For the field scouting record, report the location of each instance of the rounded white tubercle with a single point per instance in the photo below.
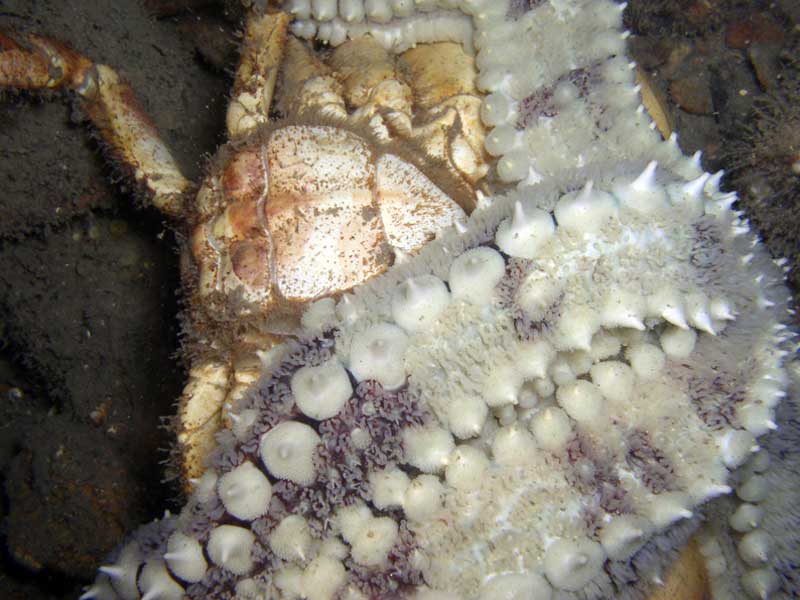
(466, 416)
(756, 417)
(761, 583)
(525, 232)
(245, 492)
(507, 586)
(418, 302)
(287, 451)
(323, 578)
(753, 489)
(303, 29)
(513, 166)
(388, 488)
(379, 11)
(427, 448)
(242, 422)
(678, 343)
(379, 353)
(373, 541)
(423, 498)
(475, 273)
(465, 467)
(502, 386)
(581, 400)
(351, 11)
(755, 547)
(736, 446)
(124, 571)
(291, 539)
(497, 109)
(513, 445)
(551, 428)
(320, 392)
(299, 9)
(323, 10)
(721, 309)
(501, 140)
(696, 187)
(571, 564)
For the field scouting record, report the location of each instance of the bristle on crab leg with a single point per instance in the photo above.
(36, 63)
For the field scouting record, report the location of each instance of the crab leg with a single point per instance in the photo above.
(261, 57)
(35, 63)
(442, 76)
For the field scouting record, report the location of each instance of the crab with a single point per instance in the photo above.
(373, 154)
(291, 211)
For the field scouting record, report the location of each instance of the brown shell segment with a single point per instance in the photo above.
(321, 214)
(310, 211)
(412, 208)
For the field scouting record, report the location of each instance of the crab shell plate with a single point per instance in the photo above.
(300, 212)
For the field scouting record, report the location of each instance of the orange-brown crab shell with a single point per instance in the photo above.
(301, 211)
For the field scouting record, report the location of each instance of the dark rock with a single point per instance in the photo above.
(692, 92)
(757, 28)
(71, 498)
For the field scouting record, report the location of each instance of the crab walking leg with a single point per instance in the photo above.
(448, 106)
(374, 87)
(307, 86)
(261, 57)
(37, 63)
(209, 399)
(199, 413)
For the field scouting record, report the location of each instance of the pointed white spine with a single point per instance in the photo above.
(623, 536)
(185, 558)
(667, 508)
(524, 234)
(230, 547)
(418, 302)
(155, 583)
(643, 195)
(586, 210)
